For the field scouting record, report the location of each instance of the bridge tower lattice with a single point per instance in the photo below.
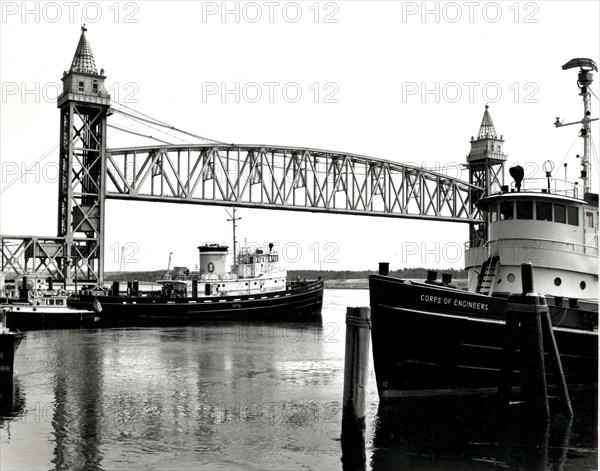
(485, 162)
(84, 107)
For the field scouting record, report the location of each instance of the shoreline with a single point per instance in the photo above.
(360, 283)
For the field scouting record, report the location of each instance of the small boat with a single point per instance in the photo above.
(33, 303)
(431, 339)
(9, 342)
(256, 288)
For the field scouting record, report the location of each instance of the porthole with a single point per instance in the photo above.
(557, 281)
(582, 285)
(511, 277)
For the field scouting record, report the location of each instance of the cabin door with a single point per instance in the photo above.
(589, 230)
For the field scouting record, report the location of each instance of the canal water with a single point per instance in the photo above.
(245, 396)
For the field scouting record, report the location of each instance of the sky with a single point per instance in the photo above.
(401, 81)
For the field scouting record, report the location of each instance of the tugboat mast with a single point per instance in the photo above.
(584, 80)
(233, 220)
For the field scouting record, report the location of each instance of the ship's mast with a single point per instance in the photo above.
(584, 80)
(233, 220)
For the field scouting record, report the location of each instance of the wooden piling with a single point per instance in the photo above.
(358, 342)
(528, 326)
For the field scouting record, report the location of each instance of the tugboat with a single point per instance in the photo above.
(431, 339)
(34, 303)
(256, 288)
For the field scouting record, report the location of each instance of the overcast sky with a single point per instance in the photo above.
(403, 81)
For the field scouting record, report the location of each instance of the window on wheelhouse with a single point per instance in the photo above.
(543, 211)
(524, 209)
(560, 213)
(494, 213)
(506, 210)
(573, 215)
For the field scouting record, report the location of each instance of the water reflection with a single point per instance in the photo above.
(458, 435)
(155, 397)
(76, 412)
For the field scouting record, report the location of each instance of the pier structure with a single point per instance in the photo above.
(234, 175)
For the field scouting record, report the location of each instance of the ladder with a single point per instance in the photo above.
(485, 281)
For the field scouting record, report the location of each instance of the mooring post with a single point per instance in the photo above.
(524, 327)
(358, 342)
(384, 268)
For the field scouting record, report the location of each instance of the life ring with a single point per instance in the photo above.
(211, 267)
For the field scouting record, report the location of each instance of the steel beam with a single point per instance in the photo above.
(288, 178)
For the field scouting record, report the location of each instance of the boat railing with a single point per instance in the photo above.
(552, 186)
(532, 246)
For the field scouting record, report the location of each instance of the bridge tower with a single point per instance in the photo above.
(485, 162)
(84, 107)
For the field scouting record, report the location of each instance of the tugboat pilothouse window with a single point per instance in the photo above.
(524, 209)
(494, 213)
(573, 216)
(560, 213)
(506, 210)
(543, 211)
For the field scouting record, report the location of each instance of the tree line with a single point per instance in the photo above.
(413, 273)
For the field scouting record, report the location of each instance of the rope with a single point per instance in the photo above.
(20, 175)
(114, 126)
(143, 122)
(160, 123)
(355, 321)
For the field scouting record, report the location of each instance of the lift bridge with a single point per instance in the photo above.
(215, 173)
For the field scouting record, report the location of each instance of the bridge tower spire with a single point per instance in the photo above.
(84, 107)
(485, 162)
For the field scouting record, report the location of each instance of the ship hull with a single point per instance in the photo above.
(431, 340)
(9, 342)
(24, 316)
(296, 304)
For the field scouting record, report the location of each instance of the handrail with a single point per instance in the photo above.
(549, 186)
(467, 244)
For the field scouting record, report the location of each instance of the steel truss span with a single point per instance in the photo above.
(287, 178)
(50, 256)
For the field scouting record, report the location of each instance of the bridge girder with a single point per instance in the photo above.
(289, 178)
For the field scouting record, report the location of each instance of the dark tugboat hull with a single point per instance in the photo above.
(39, 319)
(296, 304)
(9, 342)
(430, 340)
